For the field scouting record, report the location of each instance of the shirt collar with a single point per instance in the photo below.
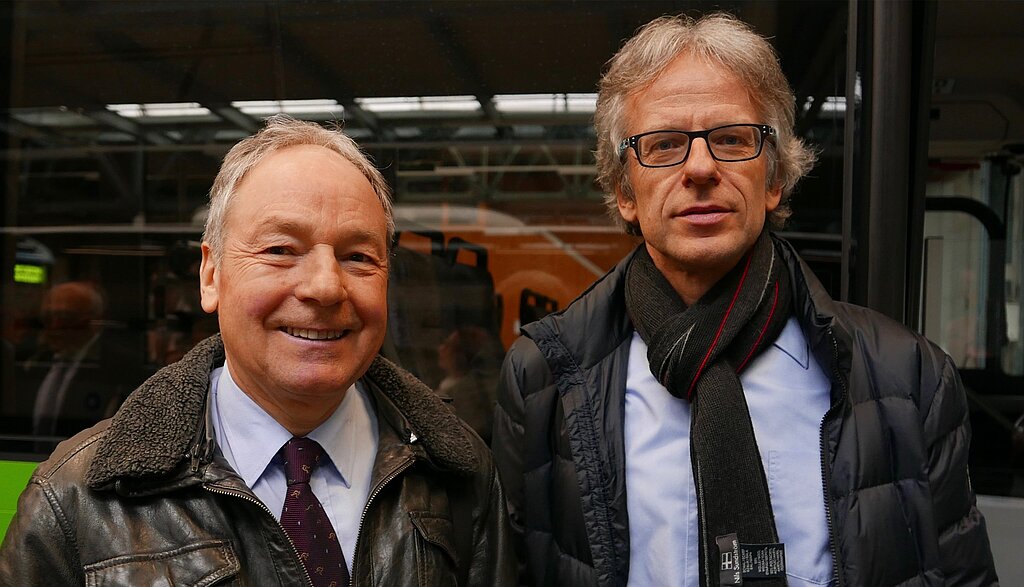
(342, 434)
(252, 437)
(792, 342)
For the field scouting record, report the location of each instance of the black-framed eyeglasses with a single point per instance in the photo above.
(730, 143)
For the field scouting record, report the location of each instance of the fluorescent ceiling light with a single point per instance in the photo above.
(831, 104)
(407, 132)
(420, 104)
(474, 132)
(836, 104)
(553, 103)
(163, 109)
(231, 135)
(529, 130)
(50, 117)
(270, 107)
(126, 110)
(581, 102)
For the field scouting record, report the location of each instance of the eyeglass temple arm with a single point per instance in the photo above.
(623, 145)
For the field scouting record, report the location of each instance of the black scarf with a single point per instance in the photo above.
(697, 353)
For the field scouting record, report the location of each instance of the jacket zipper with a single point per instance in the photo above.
(824, 460)
(369, 500)
(263, 506)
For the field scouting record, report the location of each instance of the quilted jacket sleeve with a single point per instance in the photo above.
(508, 442)
(524, 372)
(963, 540)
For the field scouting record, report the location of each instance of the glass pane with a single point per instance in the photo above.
(971, 307)
(116, 115)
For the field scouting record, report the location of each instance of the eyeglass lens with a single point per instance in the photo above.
(729, 143)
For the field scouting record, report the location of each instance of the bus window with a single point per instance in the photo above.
(971, 290)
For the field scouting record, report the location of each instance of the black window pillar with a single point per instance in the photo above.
(891, 47)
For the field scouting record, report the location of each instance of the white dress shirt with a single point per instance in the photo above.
(249, 438)
(788, 395)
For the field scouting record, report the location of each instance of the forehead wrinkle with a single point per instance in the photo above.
(280, 223)
(291, 225)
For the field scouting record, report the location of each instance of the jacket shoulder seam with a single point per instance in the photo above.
(58, 512)
(70, 454)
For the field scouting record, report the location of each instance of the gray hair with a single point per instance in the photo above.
(719, 38)
(279, 132)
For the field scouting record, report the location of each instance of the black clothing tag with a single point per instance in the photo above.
(763, 561)
(748, 561)
(729, 572)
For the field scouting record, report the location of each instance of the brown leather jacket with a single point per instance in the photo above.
(144, 498)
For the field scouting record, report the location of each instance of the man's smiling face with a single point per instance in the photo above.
(301, 286)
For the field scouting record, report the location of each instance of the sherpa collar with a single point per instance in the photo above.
(153, 432)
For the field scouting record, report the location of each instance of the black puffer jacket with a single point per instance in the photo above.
(142, 499)
(894, 445)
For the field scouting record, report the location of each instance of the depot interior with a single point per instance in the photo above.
(115, 115)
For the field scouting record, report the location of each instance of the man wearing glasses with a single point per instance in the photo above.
(705, 414)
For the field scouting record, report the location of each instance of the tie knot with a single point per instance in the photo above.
(301, 456)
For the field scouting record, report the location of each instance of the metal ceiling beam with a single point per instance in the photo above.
(468, 70)
(234, 116)
(326, 72)
(22, 130)
(457, 156)
(119, 43)
(125, 125)
(320, 69)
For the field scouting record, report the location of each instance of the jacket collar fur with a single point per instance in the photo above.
(161, 426)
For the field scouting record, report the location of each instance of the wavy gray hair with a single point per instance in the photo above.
(279, 132)
(719, 38)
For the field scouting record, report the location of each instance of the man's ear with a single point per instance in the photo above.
(208, 280)
(772, 197)
(627, 205)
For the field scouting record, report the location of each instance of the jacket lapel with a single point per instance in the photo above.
(152, 432)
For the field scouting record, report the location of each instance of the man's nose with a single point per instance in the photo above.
(321, 278)
(700, 167)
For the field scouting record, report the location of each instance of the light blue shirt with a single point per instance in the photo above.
(249, 438)
(788, 395)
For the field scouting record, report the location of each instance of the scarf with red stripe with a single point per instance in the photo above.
(697, 353)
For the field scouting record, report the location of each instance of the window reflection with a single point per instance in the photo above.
(118, 114)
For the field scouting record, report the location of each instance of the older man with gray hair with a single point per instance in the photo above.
(705, 414)
(284, 451)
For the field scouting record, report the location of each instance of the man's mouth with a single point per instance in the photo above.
(313, 334)
(694, 210)
(704, 215)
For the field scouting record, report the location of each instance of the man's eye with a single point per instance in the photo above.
(276, 250)
(732, 140)
(666, 145)
(359, 258)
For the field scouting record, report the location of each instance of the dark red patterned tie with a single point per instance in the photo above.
(305, 520)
